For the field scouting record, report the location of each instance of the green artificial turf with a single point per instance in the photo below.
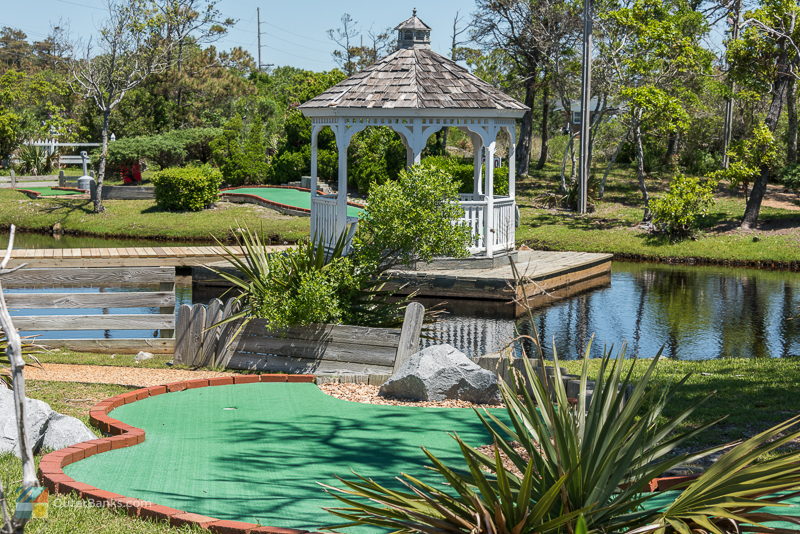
(256, 452)
(50, 192)
(289, 197)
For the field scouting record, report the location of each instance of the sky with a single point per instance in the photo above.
(293, 32)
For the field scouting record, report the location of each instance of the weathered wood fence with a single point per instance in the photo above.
(318, 349)
(50, 285)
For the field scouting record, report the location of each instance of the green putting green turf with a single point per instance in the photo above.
(49, 191)
(289, 197)
(255, 452)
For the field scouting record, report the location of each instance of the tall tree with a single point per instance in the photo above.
(346, 37)
(768, 52)
(657, 57)
(130, 47)
(533, 33)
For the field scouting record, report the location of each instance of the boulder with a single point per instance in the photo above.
(47, 428)
(64, 431)
(442, 372)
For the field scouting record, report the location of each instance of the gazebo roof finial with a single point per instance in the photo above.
(414, 12)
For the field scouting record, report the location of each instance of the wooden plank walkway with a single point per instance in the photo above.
(164, 256)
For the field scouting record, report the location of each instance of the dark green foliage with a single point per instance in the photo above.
(169, 149)
(240, 151)
(462, 172)
(677, 213)
(412, 218)
(790, 177)
(289, 166)
(376, 155)
(304, 285)
(187, 188)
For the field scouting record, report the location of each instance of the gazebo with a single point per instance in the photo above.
(417, 92)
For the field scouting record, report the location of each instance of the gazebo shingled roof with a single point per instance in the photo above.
(416, 78)
(417, 92)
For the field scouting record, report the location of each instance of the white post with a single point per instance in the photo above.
(488, 238)
(512, 161)
(314, 135)
(314, 208)
(477, 156)
(417, 142)
(342, 142)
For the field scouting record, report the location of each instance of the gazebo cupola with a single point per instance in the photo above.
(417, 92)
(413, 33)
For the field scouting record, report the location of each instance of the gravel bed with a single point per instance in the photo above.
(106, 374)
(367, 394)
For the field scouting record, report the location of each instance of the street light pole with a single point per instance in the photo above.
(586, 116)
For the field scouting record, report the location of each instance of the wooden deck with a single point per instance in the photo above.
(546, 278)
(123, 257)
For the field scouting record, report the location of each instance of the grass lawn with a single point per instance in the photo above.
(158, 361)
(142, 219)
(613, 226)
(753, 394)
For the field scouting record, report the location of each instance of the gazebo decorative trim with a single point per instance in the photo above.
(417, 92)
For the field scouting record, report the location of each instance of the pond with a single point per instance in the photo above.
(694, 313)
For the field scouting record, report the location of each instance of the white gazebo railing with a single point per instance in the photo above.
(500, 227)
(323, 218)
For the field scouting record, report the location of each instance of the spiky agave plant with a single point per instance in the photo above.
(599, 454)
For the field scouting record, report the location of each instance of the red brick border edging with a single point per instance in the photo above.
(122, 435)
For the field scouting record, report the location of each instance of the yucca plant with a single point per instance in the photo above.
(599, 454)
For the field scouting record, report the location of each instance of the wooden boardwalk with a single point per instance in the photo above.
(124, 257)
(546, 277)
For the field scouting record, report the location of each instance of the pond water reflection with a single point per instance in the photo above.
(695, 313)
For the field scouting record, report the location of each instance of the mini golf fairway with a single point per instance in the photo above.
(255, 452)
(285, 196)
(50, 191)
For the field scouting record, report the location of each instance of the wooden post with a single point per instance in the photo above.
(409, 335)
(182, 335)
(61, 180)
(477, 162)
(13, 179)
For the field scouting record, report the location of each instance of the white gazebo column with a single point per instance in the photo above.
(477, 161)
(488, 233)
(314, 136)
(512, 161)
(342, 143)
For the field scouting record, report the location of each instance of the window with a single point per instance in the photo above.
(576, 117)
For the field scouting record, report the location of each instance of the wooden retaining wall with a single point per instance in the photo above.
(318, 349)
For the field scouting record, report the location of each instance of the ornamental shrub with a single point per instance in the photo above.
(169, 149)
(240, 151)
(790, 177)
(678, 212)
(187, 188)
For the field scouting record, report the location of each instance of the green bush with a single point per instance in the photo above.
(461, 170)
(678, 212)
(169, 149)
(240, 151)
(412, 218)
(187, 188)
(790, 177)
(376, 156)
(289, 167)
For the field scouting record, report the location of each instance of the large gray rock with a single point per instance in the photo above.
(47, 429)
(442, 372)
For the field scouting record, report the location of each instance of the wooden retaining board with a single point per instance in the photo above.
(87, 277)
(317, 348)
(112, 346)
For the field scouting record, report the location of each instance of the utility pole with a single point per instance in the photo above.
(727, 132)
(258, 22)
(586, 115)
